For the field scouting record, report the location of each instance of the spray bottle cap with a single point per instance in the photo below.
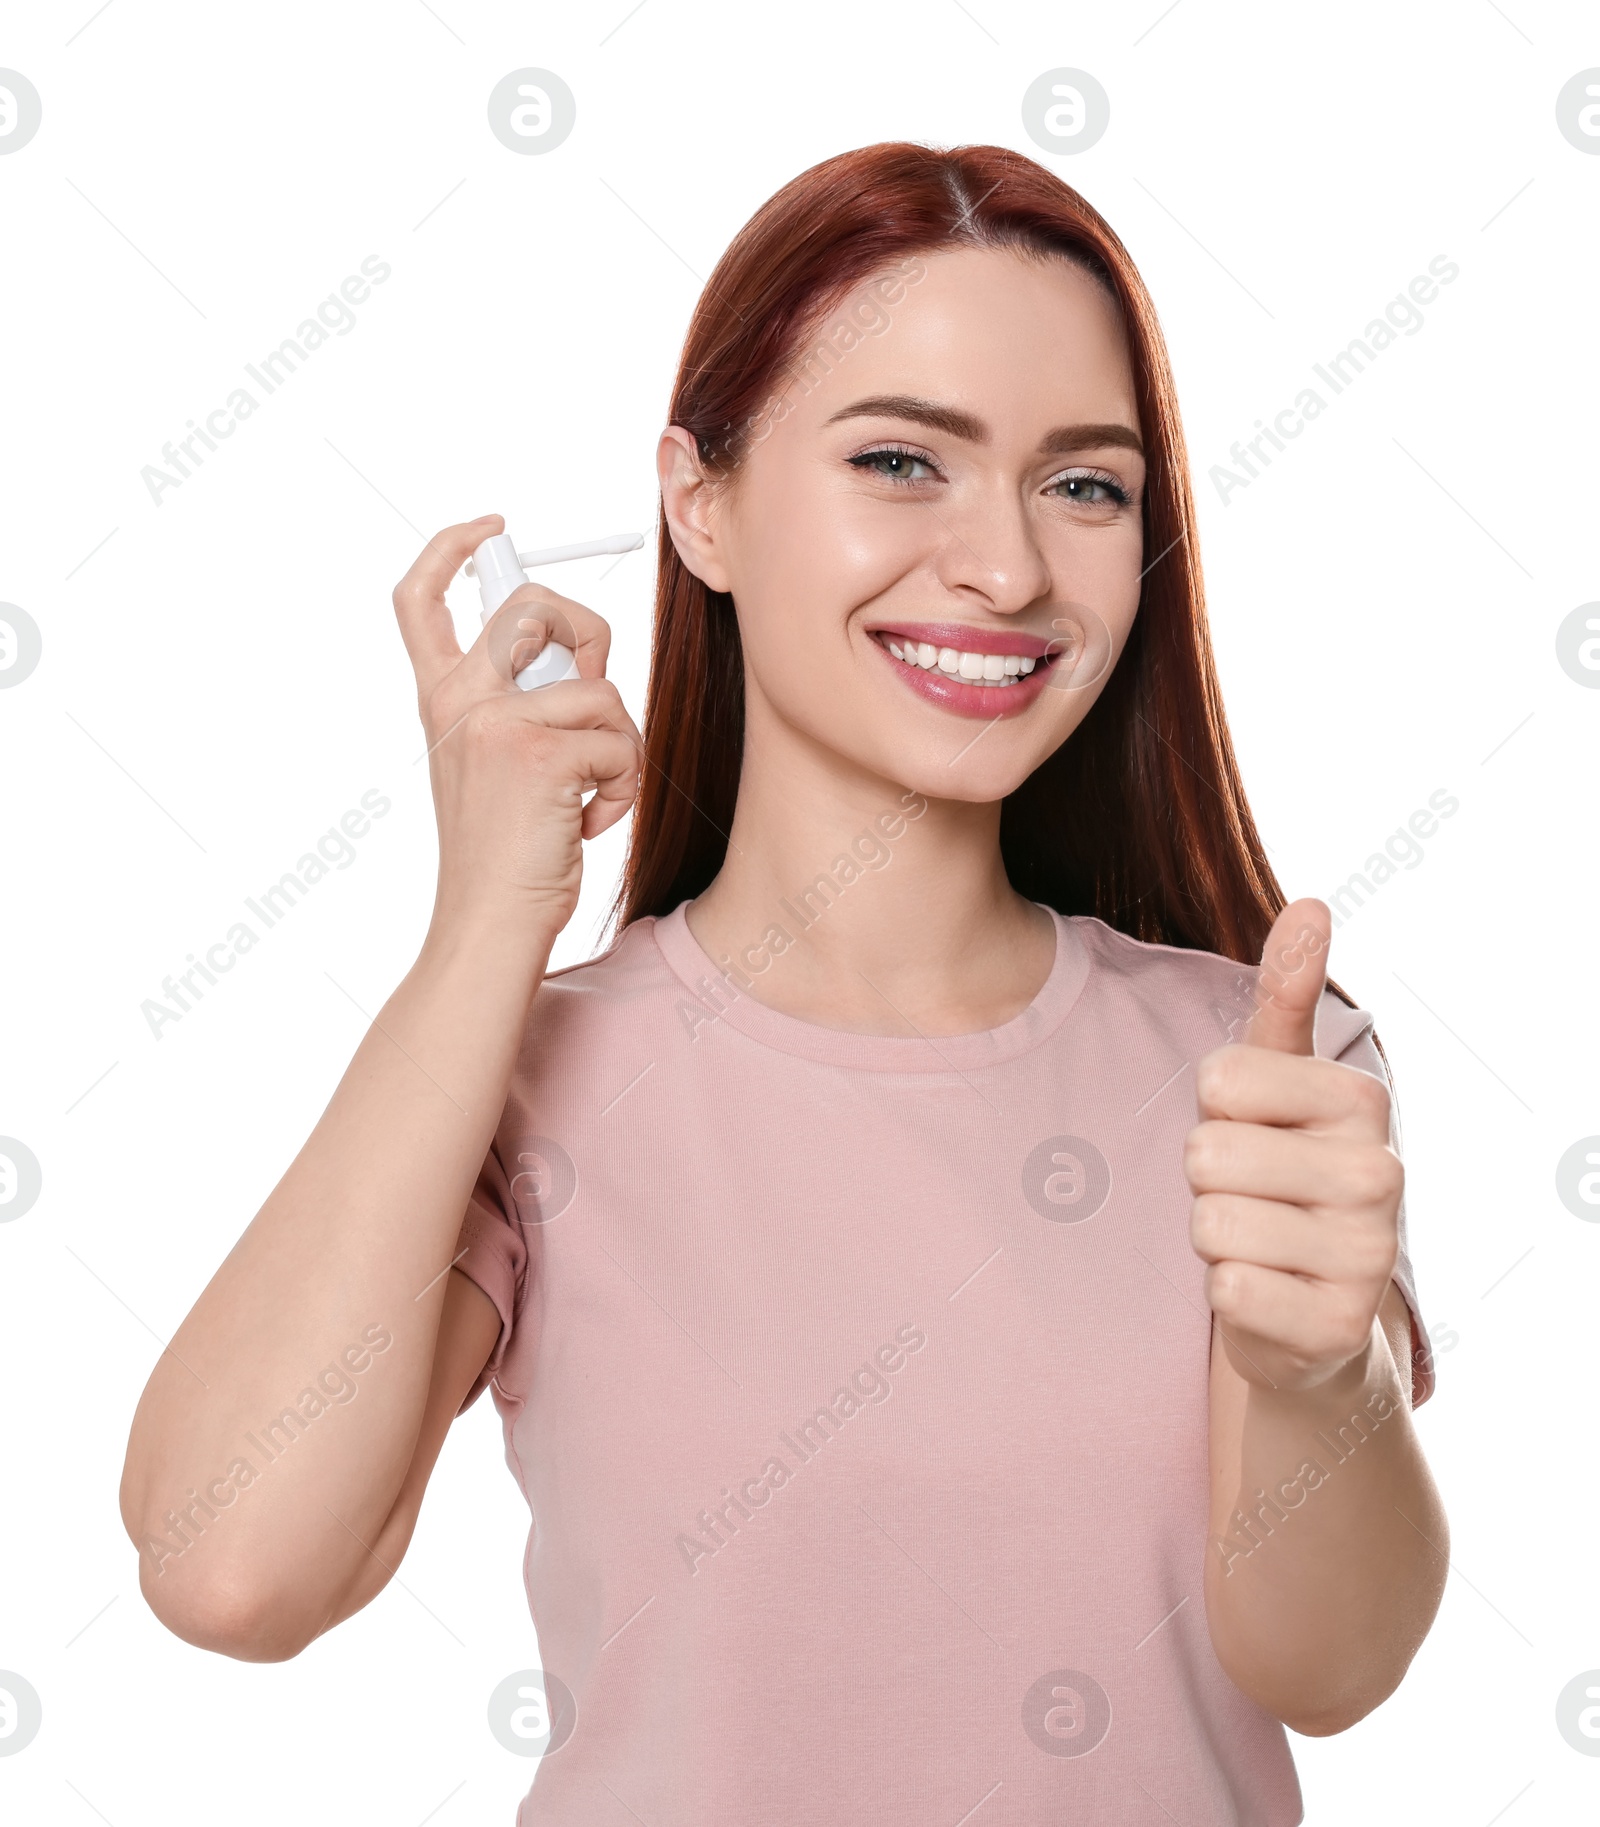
(497, 570)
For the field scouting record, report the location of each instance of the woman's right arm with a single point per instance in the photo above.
(263, 1518)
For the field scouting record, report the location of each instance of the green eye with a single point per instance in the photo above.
(1093, 488)
(892, 463)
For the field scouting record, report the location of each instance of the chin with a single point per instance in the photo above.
(970, 778)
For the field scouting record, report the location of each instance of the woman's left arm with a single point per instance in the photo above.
(1328, 1546)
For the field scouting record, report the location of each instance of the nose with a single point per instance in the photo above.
(990, 555)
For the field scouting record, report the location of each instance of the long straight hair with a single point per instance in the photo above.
(1140, 817)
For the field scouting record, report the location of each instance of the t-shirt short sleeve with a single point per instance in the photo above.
(490, 1250)
(1365, 1057)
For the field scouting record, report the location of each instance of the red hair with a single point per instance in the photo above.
(1140, 817)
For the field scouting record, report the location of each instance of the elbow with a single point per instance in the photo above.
(1332, 1709)
(214, 1600)
(224, 1616)
(1313, 1703)
(1331, 1721)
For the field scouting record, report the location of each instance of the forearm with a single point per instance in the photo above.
(1329, 1544)
(358, 1234)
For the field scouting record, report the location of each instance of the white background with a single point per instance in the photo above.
(222, 679)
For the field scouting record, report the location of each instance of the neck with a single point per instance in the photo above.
(856, 902)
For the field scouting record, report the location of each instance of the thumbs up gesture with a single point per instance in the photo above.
(1296, 1189)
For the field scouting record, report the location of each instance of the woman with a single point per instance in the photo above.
(949, 1313)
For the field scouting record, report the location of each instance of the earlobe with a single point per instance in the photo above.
(688, 500)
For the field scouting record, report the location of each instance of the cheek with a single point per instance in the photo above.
(810, 555)
(1111, 562)
(1100, 569)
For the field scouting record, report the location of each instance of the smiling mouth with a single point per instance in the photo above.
(962, 666)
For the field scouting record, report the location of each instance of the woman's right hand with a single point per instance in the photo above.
(510, 767)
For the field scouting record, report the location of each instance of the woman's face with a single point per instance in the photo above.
(948, 492)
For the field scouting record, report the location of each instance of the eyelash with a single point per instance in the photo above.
(863, 459)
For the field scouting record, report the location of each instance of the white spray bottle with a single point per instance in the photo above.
(500, 568)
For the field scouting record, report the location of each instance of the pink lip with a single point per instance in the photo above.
(955, 694)
(967, 639)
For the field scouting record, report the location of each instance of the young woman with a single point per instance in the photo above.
(949, 1312)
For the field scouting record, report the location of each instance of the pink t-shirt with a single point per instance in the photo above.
(858, 1389)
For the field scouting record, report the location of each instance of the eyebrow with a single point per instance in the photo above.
(958, 424)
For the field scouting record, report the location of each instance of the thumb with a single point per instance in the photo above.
(1294, 968)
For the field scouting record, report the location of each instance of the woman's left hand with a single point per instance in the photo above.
(1297, 1191)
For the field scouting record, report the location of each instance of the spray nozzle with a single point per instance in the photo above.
(550, 555)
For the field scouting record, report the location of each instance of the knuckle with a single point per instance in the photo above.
(1203, 1150)
(1370, 1097)
(1214, 1075)
(533, 595)
(1379, 1176)
(1225, 1286)
(1394, 1171)
(1209, 1228)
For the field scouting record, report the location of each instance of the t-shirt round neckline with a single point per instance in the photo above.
(721, 1002)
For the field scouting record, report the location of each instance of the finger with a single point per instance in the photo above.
(610, 755)
(611, 766)
(615, 791)
(593, 631)
(1232, 1227)
(1309, 1320)
(570, 704)
(517, 631)
(1322, 1173)
(419, 604)
(1256, 1085)
(615, 713)
(1294, 969)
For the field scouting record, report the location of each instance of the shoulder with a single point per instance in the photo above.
(591, 1006)
(632, 962)
(1199, 998)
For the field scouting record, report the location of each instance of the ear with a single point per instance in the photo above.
(689, 499)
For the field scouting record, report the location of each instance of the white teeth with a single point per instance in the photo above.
(971, 668)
